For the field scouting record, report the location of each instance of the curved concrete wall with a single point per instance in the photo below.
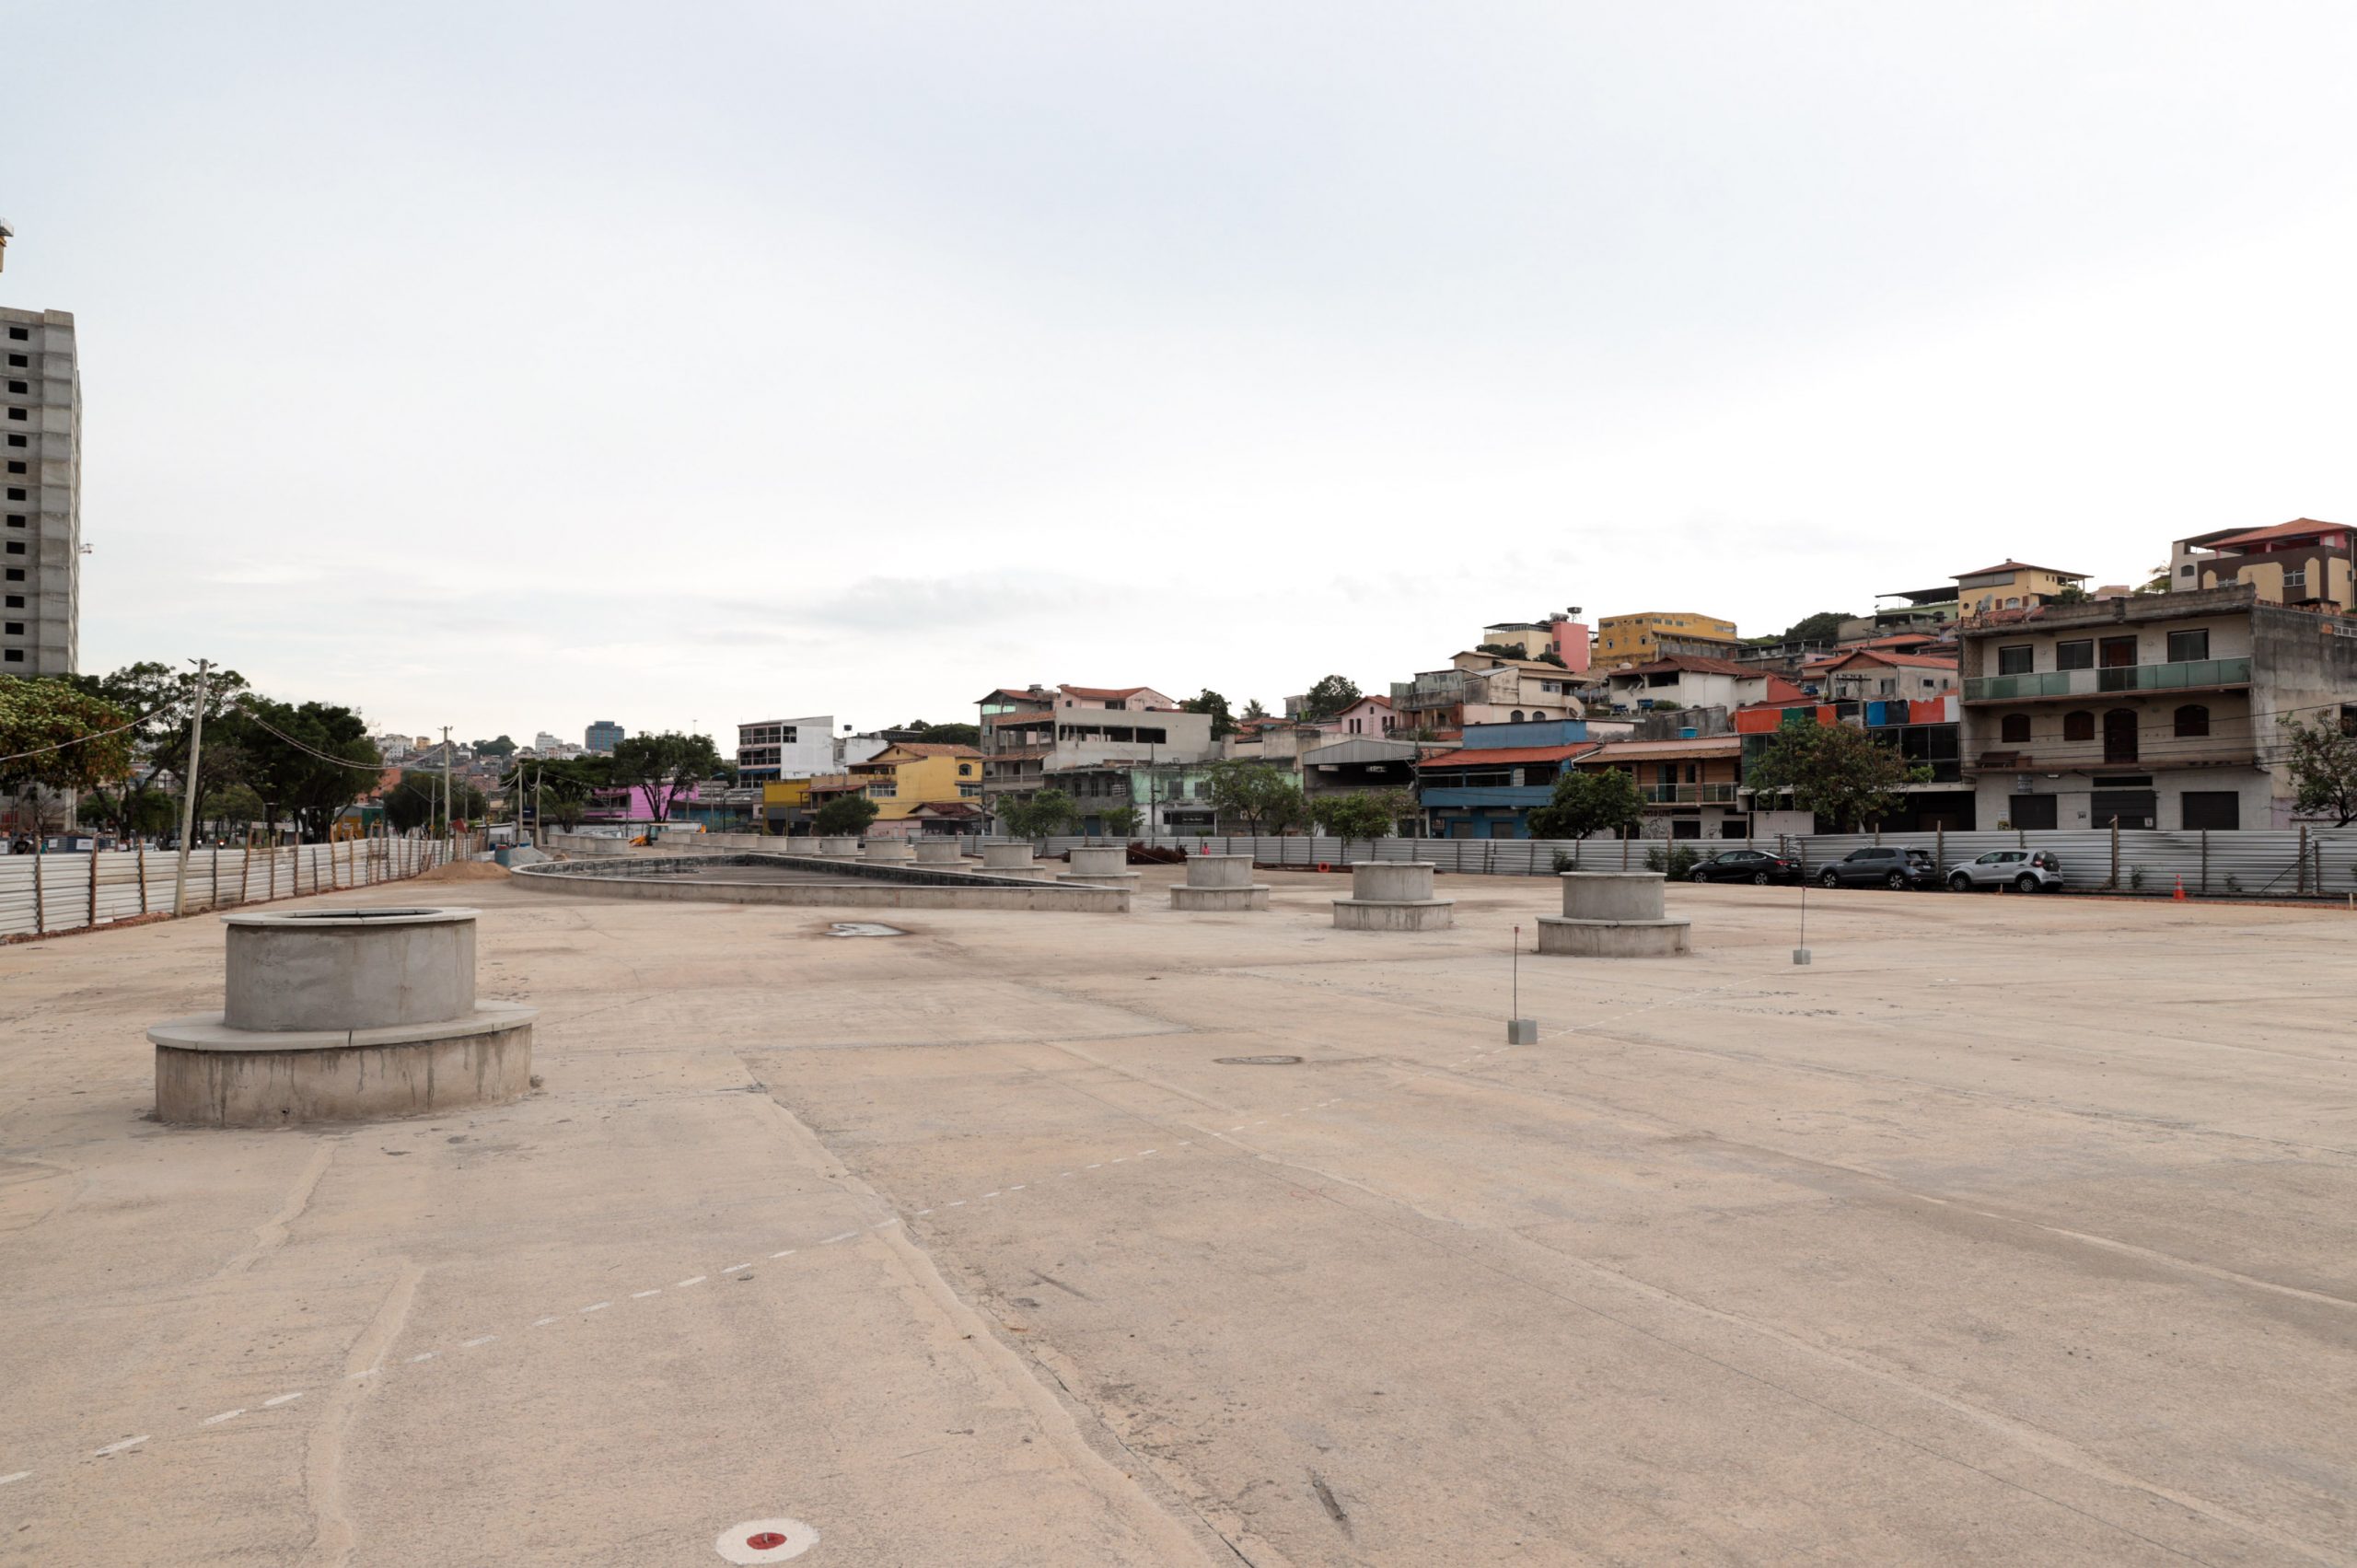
(1219, 871)
(886, 849)
(209, 1075)
(940, 852)
(1090, 860)
(1007, 858)
(349, 969)
(1392, 881)
(839, 848)
(1613, 895)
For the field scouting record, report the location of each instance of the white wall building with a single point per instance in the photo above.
(786, 748)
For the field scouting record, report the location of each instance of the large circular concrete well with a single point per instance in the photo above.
(343, 1015)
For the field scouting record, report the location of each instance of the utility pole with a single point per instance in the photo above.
(449, 828)
(188, 794)
(540, 804)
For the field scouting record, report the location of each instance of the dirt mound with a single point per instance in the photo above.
(465, 871)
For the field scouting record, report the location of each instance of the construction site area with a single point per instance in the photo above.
(2005, 1230)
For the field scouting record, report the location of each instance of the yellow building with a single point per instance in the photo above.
(2011, 585)
(903, 777)
(1638, 639)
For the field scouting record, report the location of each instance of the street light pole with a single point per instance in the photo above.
(188, 796)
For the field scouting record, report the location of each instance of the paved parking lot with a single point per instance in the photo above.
(2011, 1230)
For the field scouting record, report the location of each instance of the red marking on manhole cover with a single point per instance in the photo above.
(765, 1540)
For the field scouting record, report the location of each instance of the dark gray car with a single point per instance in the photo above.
(1898, 869)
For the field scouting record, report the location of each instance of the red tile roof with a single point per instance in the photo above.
(1101, 692)
(1648, 751)
(2295, 528)
(931, 749)
(2024, 566)
(1694, 664)
(1905, 661)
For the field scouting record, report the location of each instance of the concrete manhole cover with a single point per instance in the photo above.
(1258, 1060)
(862, 928)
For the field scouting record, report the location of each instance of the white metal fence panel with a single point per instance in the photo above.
(42, 894)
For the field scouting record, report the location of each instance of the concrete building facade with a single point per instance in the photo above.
(1647, 636)
(2158, 711)
(768, 749)
(602, 736)
(41, 467)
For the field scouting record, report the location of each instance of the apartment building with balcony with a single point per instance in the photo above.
(1083, 739)
(1485, 689)
(904, 778)
(2150, 711)
(1692, 787)
(1685, 680)
(1868, 674)
(1655, 633)
(2302, 562)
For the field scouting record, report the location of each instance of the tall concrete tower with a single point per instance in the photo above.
(40, 491)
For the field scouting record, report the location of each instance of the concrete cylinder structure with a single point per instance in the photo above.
(1013, 859)
(1393, 895)
(886, 849)
(1217, 882)
(939, 850)
(343, 1015)
(839, 848)
(348, 969)
(1614, 914)
(1108, 865)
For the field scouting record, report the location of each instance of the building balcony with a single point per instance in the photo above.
(2191, 674)
(1513, 797)
(1689, 794)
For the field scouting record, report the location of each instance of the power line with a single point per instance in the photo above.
(94, 735)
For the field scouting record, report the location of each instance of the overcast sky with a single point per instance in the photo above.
(512, 366)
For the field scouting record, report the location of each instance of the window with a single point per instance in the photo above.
(2079, 654)
(15, 574)
(19, 387)
(2032, 811)
(17, 359)
(2192, 719)
(15, 628)
(2211, 808)
(15, 492)
(2080, 725)
(15, 655)
(2186, 570)
(2019, 660)
(15, 602)
(1518, 715)
(15, 465)
(16, 440)
(1154, 737)
(16, 520)
(15, 547)
(2187, 646)
(16, 413)
(21, 334)
(2014, 729)
(2116, 653)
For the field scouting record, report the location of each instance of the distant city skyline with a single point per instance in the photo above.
(438, 363)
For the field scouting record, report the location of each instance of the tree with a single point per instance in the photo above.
(1253, 793)
(502, 748)
(63, 740)
(666, 768)
(1253, 710)
(1362, 814)
(2159, 581)
(158, 697)
(1825, 626)
(417, 801)
(2068, 593)
(2322, 764)
(945, 734)
(1049, 812)
(1330, 696)
(1211, 703)
(307, 760)
(1837, 772)
(1586, 802)
(1121, 820)
(845, 816)
(563, 789)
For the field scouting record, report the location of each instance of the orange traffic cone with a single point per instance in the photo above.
(2179, 894)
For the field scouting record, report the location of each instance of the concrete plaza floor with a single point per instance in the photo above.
(2011, 1231)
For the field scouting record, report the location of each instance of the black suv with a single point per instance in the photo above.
(1898, 869)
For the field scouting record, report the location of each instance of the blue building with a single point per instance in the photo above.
(1485, 788)
(602, 736)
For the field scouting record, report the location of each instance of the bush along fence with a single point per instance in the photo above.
(41, 895)
(2251, 863)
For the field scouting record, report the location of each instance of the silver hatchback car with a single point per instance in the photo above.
(2024, 870)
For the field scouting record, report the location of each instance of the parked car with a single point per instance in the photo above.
(2025, 870)
(1897, 870)
(1746, 866)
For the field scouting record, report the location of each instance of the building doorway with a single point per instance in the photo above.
(2119, 735)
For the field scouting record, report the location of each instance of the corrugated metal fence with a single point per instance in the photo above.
(2269, 863)
(42, 894)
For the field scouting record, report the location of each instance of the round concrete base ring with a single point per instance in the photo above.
(765, 1540)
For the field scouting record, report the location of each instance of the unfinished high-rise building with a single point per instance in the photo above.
(41, 489)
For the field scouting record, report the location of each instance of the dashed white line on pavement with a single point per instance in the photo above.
(597, 1307)
(225, 1415)
(282, 1400)
(119, 1447)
